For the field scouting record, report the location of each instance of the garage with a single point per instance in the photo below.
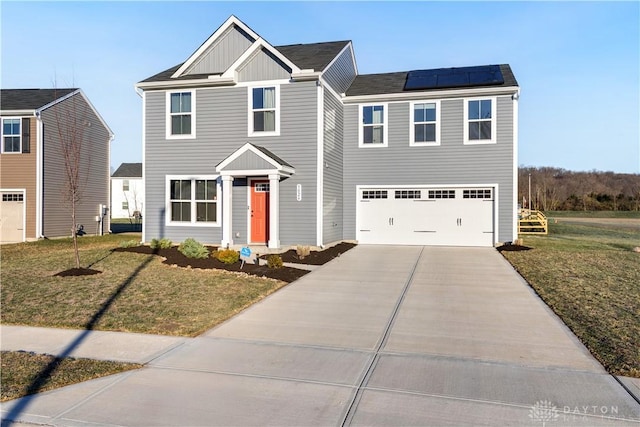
(12, 217)
(426, 216)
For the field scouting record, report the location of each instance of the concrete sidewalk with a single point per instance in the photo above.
(379, 336)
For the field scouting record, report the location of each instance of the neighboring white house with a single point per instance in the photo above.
(127, 191)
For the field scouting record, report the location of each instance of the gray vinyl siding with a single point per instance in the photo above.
(94, 168)
(263, 66)
(341, 73)
(221, 129)
(451, 163)
(221, 54)
(248, 160)
(332, 203)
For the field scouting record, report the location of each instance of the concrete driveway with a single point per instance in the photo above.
(381, 336)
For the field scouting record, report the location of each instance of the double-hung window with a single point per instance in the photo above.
(264, 111)
(373, 126)
(480, 121)
(181, 115)
(425, 123)
(11, 135)
(193, 201)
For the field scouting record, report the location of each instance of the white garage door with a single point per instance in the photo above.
(12, 218)
(426, 216)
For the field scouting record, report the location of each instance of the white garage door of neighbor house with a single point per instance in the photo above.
(11, 217)
(425, 216)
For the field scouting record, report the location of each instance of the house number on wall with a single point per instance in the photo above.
(298, 192)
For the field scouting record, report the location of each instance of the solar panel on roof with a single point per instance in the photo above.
(454, 77)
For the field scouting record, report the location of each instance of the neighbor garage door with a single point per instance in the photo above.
(12, 218)
(426, 216)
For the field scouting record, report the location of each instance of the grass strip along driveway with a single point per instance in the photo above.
(590, 276)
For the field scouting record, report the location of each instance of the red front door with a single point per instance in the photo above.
(259, 211)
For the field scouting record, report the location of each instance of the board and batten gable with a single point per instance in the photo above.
(450, 163)
(263, 65)
(223, 53)
(341, 72)
(94, 168)
(18, 171)
(222, 128)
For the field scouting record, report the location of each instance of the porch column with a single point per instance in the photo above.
(227, 229)
(274, 211)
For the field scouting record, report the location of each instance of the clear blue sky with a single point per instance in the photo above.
(577, 62)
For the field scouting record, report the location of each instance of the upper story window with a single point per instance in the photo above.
(264, 111)
(125, 185)
(11, 135)
(373, 128)
(425, 123)
(480, 121)
(193, 201)
(181, 115)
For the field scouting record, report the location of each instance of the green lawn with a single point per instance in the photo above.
(134, 292)
(589, 275)
(593, 214)
(26, 373)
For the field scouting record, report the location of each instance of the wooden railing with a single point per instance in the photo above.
(532, 222)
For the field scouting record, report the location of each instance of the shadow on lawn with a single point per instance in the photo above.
(46, 373)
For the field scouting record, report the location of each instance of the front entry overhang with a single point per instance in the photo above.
(253, 161)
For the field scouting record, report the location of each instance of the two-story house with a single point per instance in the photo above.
(249, 143)
(32, 166)
(127, 191)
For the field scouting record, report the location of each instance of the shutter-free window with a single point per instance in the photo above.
(26, 135)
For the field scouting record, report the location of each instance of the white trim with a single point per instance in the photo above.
(320, 168)
(515, 99)
(212, 81)
(385, 125)
(227, 211)
(250, 130)
(250, 147)
(260, 43)
(415, 95)
(255, 172)
(7, 113)
(412, 123)
(273, 239)
(39, 177)
(192, 200)
(144, 163)
(335, 58)
(2, 135)
(264, 83)
(168, 134)
(232, 20)
(494, 121)
(24, 207)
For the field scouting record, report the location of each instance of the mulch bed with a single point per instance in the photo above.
(77, 272)
(315, 257)
(174, 257)
(513, 248)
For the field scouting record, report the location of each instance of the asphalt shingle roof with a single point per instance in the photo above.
(305, 56)
(128, 170)
(30, 99)
(387, 83)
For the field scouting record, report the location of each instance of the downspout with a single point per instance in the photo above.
(141, 94)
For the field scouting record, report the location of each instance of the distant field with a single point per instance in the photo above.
(587, 272)
(593, 214)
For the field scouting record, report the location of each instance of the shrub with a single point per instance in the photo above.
(227, 256)
(163, 243)
(303, 251)
(274, 261)
(191, 248)
(128, 243)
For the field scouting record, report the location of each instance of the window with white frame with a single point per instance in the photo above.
(181, 114)
(11, 135)
(125, 205)
(125, 185)
(480, 121)
(425, 123)
(193, 201)
(373, 129)
(264, 109)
